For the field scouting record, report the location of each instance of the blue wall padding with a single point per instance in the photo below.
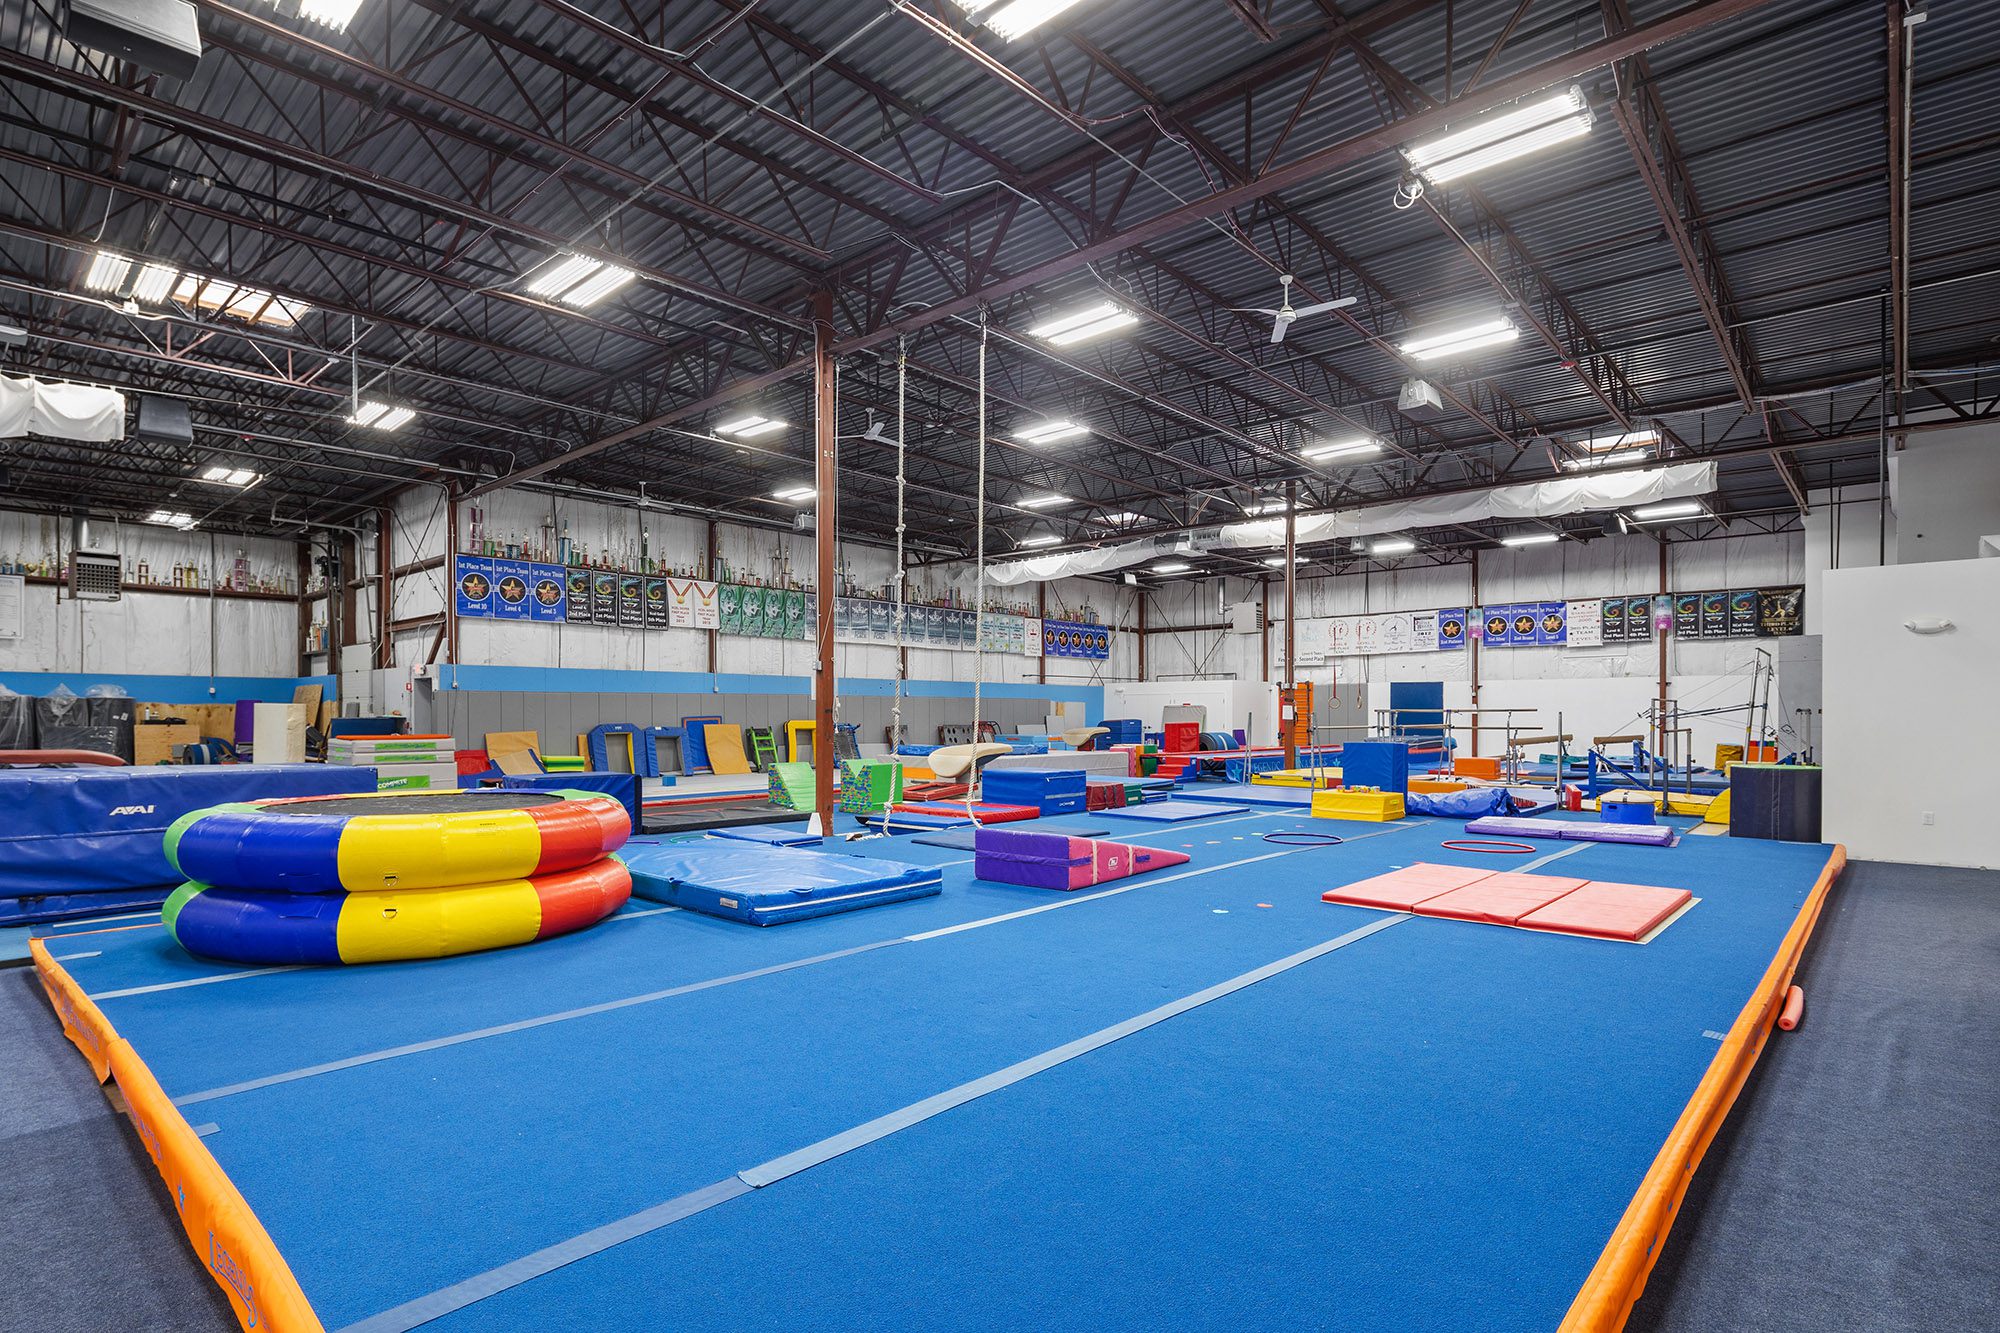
(1384, 765)
(597, 744)
(694, 743)
(653, 743)
(1407, 697)
(246, 926)
(67, 907)
(1124, 730)
(624, 786)
(767, 886)
(102, 830)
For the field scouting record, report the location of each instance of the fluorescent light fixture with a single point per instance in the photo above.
(794, 494)
(1607, 460)
(578, 280)
(222, 474)
(1531, 539)
(381, 416)
(107, 272)
(1051, 432)
(1525, 129)
(1046, 539)
(750, 427)
(1359, 447)
(155, 283)
(1084, 325)
(1483, 334)
(334, 14)
(1265, 507)
(1395, 546)
(1043, 501)
(251, 304)
(1122, 517)
(1278, 561)
(1173, 567)
(170, 518)
(1010, 20)
(1672, 509)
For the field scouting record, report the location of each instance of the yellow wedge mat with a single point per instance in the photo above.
(725, 747)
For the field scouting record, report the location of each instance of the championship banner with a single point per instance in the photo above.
(1586, 624)
(604, 596)
(510, 590)
(472, 585)
(547, 599)
(632, 601)
(656, 604)
(576, 597)
(1781, 612)
(1066, 638)
(1451, 628)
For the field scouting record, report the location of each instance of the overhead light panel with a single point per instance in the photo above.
(170, 519)
(578, 280)
(1014, 17)
(1046, 539)
(333, 14)
(1083, 325)
(1531, 539)
(1043, 501)
(252, 304)
(1525, 129)
(381, 416)
(750, 427)
(1396, 546)
(1173, 567)
(1122, 517)
(794, 494)
(1360, 447)
(1278, 561)
(107, 272)
(222, 474)
(1051, 432)
(1486, 333)
(1631, 439)
(155, 283)
(1263, 507)
(1672, 509)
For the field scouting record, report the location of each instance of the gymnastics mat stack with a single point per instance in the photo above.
(1058, 861)
(401, 763)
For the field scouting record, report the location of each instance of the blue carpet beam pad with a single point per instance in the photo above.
(767, 886)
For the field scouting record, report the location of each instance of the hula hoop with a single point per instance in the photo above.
(1304, 838)
(1492, 847)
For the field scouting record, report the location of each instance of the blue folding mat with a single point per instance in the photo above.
(768, 886)
(79, 841)
(1172, 812)
(771, 835)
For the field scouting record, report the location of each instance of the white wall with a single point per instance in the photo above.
(1229, 703)
(1945, 489)
(1897, 701)
(153, 634)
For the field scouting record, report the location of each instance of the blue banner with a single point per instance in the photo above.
(510, 589)
(1068, 638)
(546, 597)
(1451, 628)
(1526, 625)
(472, 585)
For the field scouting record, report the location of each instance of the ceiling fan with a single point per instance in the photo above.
(1282, 317)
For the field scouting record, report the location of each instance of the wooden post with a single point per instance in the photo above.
(714, 563)
(826, 485)
(1143, 599)
(1661, 740)
(385, 574)
(1042, 662)
(1473, 647)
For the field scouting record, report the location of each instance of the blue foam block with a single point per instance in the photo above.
(1172, 812)
(768, 886)
(73, 831)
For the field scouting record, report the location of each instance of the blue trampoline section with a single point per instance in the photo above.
(1345, 1118)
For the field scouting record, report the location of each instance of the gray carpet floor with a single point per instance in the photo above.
(1855, 1187)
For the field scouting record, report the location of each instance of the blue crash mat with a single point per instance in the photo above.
(73, 831)
(1172, 812)
(771, 835)
(767, 886)
(961, 839)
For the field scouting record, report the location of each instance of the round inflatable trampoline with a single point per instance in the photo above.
(260, 926)
(395, 840)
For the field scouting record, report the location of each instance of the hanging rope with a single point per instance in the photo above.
(978, 576)
(896, 705)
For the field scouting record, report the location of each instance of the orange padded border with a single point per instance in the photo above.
(227, 1237)
(1619, 1277)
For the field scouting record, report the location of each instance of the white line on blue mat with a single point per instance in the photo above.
(195, 981)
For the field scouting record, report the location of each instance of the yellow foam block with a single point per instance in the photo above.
(1369, 805)
(1718, 810)
(1697, 804)
(1296, 777)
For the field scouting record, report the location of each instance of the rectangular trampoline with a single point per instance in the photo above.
(1196, 1099)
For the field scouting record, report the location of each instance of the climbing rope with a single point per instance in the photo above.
(978, 576)
(896, 704)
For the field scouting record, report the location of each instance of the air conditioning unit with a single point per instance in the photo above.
(802, 522)
(158, 35)
(1245, 617)
(94, 576)
(1420, 401)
